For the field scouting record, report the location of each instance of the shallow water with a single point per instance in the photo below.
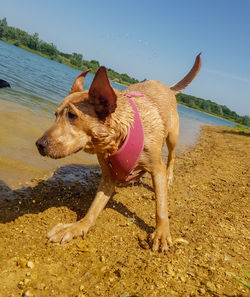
(38, 85)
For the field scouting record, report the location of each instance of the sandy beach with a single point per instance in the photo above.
(209, 218)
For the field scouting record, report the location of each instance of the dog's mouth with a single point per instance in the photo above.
(42, 152)
(59, 155)
(54, 154)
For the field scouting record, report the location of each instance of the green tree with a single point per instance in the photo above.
(94, 65)
(3, 26)
(245, 120)
(9, 33)
(216, 108)
(34, 41)
(205, 105)
(76, 59)
(49, 49)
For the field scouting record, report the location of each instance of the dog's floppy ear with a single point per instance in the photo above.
(102, 94)
(78, 83)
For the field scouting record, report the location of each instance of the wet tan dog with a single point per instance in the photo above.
(97, 121)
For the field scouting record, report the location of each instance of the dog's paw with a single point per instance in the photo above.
(162, 240)
(66, 232)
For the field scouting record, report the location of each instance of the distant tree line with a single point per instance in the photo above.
(33, 43)
(212, 108)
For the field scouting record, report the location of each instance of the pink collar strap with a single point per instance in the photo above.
(123, 161)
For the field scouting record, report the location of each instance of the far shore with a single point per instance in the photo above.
(211, 114)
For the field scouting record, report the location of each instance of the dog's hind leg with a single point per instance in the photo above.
(171, 141)
(161, 236)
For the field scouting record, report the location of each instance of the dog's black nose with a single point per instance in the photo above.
(42, 144)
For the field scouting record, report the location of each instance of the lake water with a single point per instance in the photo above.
(38, 85)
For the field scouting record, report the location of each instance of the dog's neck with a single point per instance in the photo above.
(109, 137)
(124, 160)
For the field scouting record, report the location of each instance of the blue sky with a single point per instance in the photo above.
(152, 39)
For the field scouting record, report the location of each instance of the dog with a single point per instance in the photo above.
(100, 121)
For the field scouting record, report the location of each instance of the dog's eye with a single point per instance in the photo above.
(71, 115)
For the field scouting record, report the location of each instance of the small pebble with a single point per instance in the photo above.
(102, 259)
(111, 279)
(199, 248)
(20, 285)
(202, 290)
(211, 286)
(103, 269)
(30, 264)
(21, 262)
(180, 240)
(28, 293)
(26, 281)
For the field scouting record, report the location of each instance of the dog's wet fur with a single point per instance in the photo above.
(97, 121)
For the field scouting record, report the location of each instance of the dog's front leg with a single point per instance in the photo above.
(66, 232)
(161, 236)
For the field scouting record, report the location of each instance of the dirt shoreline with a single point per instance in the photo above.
(209, 217)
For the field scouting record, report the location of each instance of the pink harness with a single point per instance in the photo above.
(123, 161)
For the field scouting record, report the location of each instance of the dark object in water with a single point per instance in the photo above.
(4, 84)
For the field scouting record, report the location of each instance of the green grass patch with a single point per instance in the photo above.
(244, 283)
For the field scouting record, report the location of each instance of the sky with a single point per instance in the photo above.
(151, 39)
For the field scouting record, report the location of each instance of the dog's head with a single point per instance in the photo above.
(81, 118)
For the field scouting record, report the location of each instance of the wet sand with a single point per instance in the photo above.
(209, 217)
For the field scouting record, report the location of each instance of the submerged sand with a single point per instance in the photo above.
(209, 217)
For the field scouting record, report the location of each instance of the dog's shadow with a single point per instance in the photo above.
(73, 186)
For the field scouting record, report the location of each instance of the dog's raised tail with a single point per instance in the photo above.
(178, 87)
